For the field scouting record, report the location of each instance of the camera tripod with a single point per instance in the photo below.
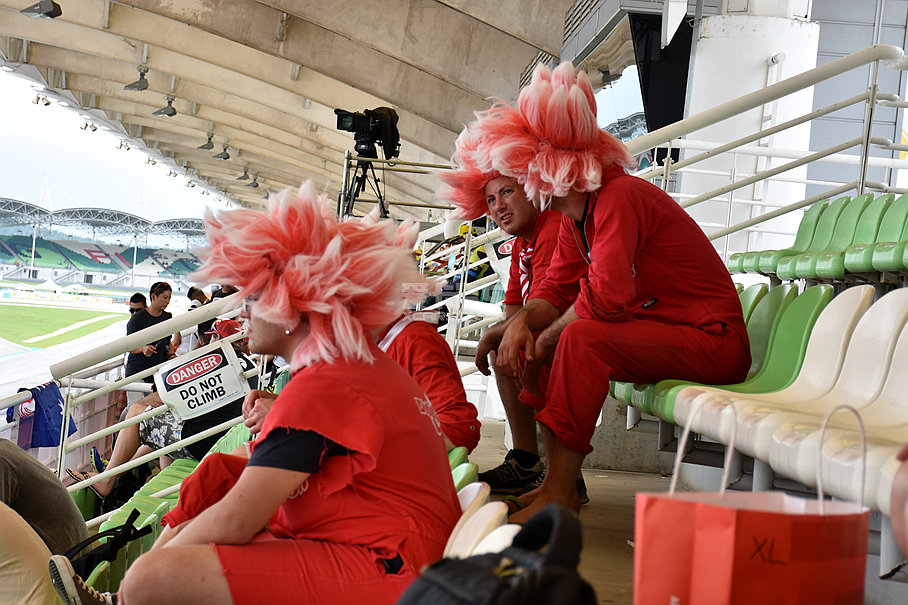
(348, 197)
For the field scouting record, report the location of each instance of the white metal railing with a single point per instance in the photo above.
(671, 137)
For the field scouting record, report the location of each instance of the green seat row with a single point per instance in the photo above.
(863, 235)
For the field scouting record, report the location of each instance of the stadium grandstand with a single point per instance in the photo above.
(32, 258)
(770, 133)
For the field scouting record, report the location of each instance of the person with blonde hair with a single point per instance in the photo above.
(347, 492)
(651, 298)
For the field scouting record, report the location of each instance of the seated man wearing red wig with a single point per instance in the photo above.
(347, 492)
(653, 299)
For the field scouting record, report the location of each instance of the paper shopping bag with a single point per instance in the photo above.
(664, 526)
(768, 547)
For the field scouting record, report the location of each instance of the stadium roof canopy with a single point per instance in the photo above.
(265, 76)
(99, 220)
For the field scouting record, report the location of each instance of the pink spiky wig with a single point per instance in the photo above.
(551, 143)
(299, 260)
(465, 185)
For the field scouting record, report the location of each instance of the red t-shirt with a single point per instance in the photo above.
(394, 492)
(530, 259)
(426, 356)
(648, 259)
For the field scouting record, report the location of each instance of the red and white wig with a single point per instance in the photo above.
(550, 144)
(465, 185)
(302, 263)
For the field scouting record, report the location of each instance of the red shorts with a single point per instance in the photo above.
(271, 570)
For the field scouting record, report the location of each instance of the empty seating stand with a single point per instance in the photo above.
(750, 262)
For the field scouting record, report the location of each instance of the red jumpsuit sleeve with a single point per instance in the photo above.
(513, 295)
(608, 292)
(562, 277)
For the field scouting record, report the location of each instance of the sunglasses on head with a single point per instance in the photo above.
(159, 286)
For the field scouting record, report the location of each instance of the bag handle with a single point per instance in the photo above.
(851, 409)
(119, 537)
(696, 409)
(556, 527)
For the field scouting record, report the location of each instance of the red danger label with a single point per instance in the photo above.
(193, 370)
(505, 248)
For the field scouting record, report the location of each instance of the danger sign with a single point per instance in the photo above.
(201, 381)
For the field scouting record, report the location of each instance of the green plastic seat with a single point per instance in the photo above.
(765, 261)
(88, 501)
(784, 269)
(281, 381)
(750, 298)
(464, 475)
(859, 257)
(842, 236)
(784, 355)
(889, 256)
(99, 578)
(830, 265)
(457, 456)
(735, 262)
(739, 288)
(231, 440)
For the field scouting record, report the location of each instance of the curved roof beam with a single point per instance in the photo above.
(196, 55)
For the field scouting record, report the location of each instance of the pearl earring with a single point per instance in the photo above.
(288, 332)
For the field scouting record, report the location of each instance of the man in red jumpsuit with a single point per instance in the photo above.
(654, 302)
(503, 200)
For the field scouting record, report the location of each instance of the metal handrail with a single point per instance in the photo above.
(889, 56)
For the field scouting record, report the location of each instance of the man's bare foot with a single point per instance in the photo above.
(536, 501)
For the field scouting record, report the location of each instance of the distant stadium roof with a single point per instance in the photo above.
(99, 220)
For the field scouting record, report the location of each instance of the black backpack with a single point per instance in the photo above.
(525, 573)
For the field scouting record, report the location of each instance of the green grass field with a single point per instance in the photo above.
(19, 323)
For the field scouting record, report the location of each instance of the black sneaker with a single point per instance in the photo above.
(71, 588)
(581, 491)
(581, 488)
(509, 477)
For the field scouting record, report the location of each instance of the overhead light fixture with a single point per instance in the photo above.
(47, 9)
(245, 176)
(141, 83)
(45, 101)
(254, 184)
(223, 155)
(92, 127)
(166, 112)
(151, 161)
(209, 144)
(190, 184)
(84, 126)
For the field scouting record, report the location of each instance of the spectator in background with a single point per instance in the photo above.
(197, 298)
(222, 291)
(137, 302)
(150, 355)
